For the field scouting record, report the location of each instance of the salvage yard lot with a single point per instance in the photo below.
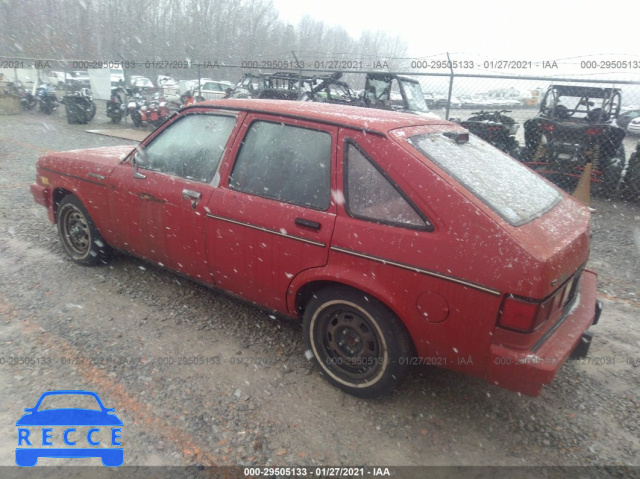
(200, 378)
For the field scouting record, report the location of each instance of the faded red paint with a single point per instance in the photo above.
(460, 273)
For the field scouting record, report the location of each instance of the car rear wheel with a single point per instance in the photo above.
(79, 236)
(358, 344)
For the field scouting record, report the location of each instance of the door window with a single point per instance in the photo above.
(285, 163)
(191, 147)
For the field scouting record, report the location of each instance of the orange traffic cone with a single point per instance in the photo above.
(583, 190)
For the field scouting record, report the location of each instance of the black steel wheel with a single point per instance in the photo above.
(79, 236)
(358, 344)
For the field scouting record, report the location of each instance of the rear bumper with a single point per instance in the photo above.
(526, 371)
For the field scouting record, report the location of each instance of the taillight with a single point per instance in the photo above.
(524, 315)
(595, 131)
(494, 128)
(547, 126)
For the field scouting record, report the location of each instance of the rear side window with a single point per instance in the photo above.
(285, 163)
(371, 196)
(511, 189)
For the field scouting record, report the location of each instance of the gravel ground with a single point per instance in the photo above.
(130, 331)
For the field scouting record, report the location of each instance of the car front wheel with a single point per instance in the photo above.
(79, 235)
(358, 344)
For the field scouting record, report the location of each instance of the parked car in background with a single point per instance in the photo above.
(441, 102)
(626, 117)
(394, 238)
(633, 127)
(430, 100)
(212, 90)
(141, 83)
(77, 80)
(57, 79)
(116, 77)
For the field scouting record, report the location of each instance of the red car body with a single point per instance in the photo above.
(472, 286)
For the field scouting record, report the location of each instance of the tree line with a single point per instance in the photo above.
(224, 31)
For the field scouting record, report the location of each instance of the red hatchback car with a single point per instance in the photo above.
(397, 239)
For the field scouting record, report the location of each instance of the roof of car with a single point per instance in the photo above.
(588, 91)
(368, 119)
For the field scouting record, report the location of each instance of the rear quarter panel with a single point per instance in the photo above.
(445, 284)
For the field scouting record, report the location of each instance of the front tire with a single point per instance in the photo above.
(358, 344)
(78, 234)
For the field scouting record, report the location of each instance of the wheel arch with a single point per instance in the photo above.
(57, 195)
(302, 293)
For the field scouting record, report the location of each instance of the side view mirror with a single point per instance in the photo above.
(139, 159)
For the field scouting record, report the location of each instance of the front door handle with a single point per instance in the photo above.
(190, 194)
(194, 196)
(313, 225)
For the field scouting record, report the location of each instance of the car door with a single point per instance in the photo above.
(272, 216)
(158, 210)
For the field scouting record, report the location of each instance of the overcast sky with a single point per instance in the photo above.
(496, 29)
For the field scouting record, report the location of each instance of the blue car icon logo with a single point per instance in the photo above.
(43, 428)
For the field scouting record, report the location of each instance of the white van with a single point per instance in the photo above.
(117, 75)
(57, 79)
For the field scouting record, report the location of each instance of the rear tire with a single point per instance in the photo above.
(78, 234)
(136, 118)
(358, 344)
(631, 187)
(611, 185)
(92, 111)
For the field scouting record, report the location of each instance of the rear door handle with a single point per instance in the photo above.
(313, 225)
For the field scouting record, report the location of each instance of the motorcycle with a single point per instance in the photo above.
(79, 106)
(155, 112)
(496, 128)
(134, 105)
(27, 99)
(115, 105)
(46, 97)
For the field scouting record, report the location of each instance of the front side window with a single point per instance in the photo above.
(370, 196)
(285, 163)
(192, 147)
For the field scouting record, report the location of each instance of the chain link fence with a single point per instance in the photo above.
(557, 126)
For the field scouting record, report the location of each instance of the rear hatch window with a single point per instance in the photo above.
(509, 188)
